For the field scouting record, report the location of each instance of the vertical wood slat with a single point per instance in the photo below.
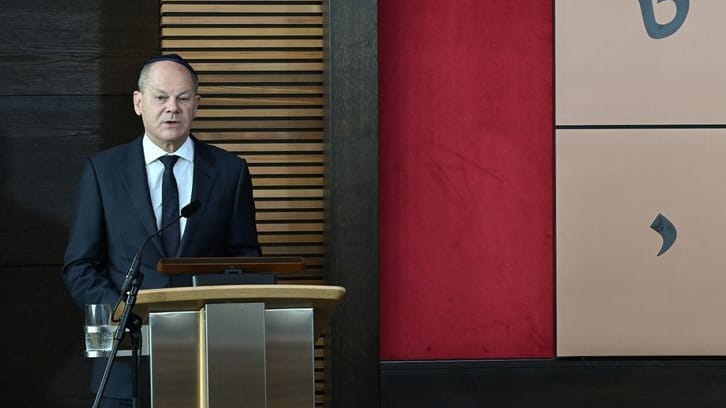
(351, 202)
(260, 67)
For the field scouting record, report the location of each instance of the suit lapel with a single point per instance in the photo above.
(205, 174)
(136, 183)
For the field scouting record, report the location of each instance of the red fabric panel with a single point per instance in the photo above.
(466, 179)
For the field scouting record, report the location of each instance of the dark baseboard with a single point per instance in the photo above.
(561, 383)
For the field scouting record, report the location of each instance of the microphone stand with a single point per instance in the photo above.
(133, 323)
(130, 321)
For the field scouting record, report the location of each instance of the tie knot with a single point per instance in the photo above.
(169, 161)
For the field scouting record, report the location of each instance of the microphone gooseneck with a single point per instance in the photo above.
(130, 321)
(185, 212)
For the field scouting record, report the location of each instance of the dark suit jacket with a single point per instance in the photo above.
(114, 216)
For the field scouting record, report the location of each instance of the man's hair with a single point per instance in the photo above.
(144, 74)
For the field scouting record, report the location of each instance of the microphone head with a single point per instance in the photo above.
(190, 209)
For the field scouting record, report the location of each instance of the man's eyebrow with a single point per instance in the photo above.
(189, 92)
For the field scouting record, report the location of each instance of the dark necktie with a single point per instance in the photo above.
(169, 206)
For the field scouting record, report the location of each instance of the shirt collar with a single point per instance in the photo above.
(153, 152)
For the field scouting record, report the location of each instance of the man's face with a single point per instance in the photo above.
(167, 104)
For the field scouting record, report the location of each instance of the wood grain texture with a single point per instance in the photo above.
(352, 199)
(69, 67)
(263, 54)
(241, 1)
(241, 31)
(246, 112)
(73, 47)
(247, 78)
(262, 88)
(241, 19)
(242, 8)
(44, 141)
(217, 43)
(257, 102)
(43, 357)
(260, 135)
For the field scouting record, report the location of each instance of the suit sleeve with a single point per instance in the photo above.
(242, 234)
(85, 263)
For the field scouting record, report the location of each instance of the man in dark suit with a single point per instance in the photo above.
(123, 198)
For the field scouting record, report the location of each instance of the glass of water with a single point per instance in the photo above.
(98, 329)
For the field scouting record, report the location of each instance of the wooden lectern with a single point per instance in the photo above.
(234, 345)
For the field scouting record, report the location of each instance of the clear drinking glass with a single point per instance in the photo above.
(98, 329)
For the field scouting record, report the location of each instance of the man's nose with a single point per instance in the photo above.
(172, 105)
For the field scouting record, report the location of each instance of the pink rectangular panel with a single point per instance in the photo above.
(623, 197)
(640, 62)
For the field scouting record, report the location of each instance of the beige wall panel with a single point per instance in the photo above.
(609, 71)
(615, 296)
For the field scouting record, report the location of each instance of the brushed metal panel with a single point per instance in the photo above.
(175, 365)
(290, 358)
(235, 354)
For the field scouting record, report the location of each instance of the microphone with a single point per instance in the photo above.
(128, 320)
(185, 212)
(189, 210)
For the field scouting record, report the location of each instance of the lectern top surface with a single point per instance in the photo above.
(241, 292)
(321, 298)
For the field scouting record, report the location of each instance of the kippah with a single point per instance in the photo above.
(174, 58)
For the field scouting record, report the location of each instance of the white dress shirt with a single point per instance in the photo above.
(183, 172)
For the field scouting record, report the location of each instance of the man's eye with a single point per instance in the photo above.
(184, 99)
(160, 98)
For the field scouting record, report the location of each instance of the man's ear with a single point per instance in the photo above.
(137, 102)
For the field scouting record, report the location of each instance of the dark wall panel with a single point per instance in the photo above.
(352, 199)
(554, 384)
(69, 68)
(44, 141)
(42, 342)
(81, 47)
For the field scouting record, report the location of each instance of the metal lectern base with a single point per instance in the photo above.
(232, 355)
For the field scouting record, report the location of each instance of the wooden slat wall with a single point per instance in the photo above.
(260, 66)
